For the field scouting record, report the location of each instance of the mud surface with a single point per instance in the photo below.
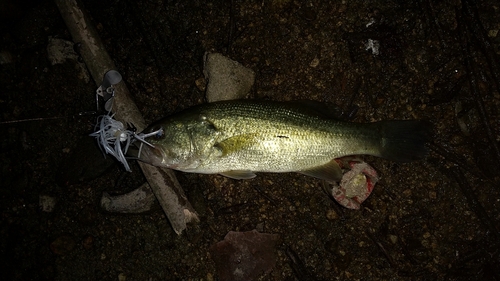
(435, 219)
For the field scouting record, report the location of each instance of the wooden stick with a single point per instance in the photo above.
(162, 181)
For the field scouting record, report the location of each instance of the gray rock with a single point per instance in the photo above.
(227, 79)
(59, 50)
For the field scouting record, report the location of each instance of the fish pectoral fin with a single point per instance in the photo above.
(239, 174)
(330, 171)
(236, 143)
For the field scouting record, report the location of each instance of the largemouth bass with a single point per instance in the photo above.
(240, 137)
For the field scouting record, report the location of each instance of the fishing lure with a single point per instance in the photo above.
(112, 136)
(114, 139)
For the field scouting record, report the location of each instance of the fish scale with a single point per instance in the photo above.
(238, 138)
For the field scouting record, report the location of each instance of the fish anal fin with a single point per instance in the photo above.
(330, 171)
(239, 174)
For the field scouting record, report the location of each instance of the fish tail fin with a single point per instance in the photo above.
(404, 140)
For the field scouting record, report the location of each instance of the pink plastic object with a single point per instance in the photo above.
(356, 184)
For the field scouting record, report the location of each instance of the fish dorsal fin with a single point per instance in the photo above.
(239, 174)
(330, 171)
(321, 109)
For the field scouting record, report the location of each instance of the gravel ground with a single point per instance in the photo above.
(435, 219)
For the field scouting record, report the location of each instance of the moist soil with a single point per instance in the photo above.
(434, 219)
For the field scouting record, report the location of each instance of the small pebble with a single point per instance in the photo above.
(201, 84)
(63, 245)
(393, 238)
(88, 242)
(47, 203)
(331, 215)
(314, 62)
(432, 194)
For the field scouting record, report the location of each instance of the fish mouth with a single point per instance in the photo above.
(150, 154)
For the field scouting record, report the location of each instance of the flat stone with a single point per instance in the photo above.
(227, 79)
(244, 255)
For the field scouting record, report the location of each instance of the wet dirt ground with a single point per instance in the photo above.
(436, 219)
